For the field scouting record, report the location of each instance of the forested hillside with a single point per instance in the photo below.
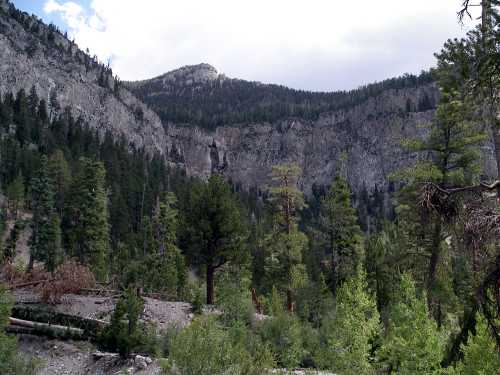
(400, 280)
(218, 100)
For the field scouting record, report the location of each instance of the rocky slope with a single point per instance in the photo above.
(35, 55)
(279, 124)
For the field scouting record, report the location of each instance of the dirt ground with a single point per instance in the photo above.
(75, 358)
(162, 314)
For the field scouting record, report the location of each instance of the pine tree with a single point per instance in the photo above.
(480, 354)
(339, 223)
(168, 271)
(349, 334)
(60, 173)
(286, 243)
(450, 158)
(473, 61)
(413, 344)
(214, 229)
(46, 235)
(87, 217)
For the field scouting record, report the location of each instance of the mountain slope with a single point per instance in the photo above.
(201, 96)
(204, 121)
(33, 54)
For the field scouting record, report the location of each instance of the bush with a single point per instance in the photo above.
(125, 335)
(235, 300)
(205, 347)
(283, 333)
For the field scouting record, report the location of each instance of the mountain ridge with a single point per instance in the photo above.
(214, 124)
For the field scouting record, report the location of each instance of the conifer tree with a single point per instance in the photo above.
(350, 332)
(87, 217)
(413, 344)
(449, 158)
(46, 235)
(60, 173)
(480, 354)
(286, 243)
(214, 229)
(339, 223)
(167, 266)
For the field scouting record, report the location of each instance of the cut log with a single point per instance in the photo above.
(48, 329)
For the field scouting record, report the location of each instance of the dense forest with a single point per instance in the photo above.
(331, 281)
(225, 101)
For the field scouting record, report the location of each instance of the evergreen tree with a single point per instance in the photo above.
(124, 333)
(87, 217)
(481, 355)
(60, 173)
(46, 235)
(214, 229)
(413, 344)
(349, 334)
(451, 159)
(166, 269)
(339, 223)
(286, 243)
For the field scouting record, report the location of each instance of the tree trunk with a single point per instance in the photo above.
(289, 300)
(210, 284)
(434, 261)
(496, 142)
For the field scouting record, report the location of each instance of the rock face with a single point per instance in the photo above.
(368, 133)
(246, 153)
(187, 75)
(34, 55)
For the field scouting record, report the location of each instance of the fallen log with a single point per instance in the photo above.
(49, 329)
(31, 283)
(19, 330)
(41, 313)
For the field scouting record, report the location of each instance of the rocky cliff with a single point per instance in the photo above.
(33, 54)
(251, 126)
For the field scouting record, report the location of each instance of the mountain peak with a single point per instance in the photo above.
(189, 74)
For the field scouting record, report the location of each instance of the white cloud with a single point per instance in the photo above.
(315, 44)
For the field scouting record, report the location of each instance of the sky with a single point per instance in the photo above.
(318, 45)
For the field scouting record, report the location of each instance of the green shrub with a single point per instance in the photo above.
(283, 333)
(205, 347)
(235, 300)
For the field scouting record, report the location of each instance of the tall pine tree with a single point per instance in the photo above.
(46, 234)
(342, 234)
(87, 217)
